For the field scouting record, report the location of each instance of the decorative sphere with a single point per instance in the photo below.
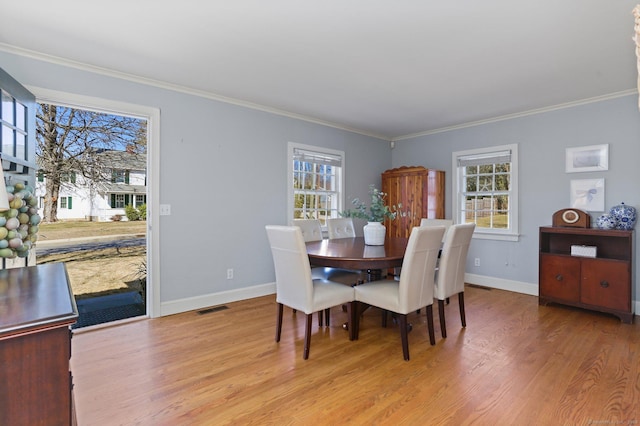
(607, 221)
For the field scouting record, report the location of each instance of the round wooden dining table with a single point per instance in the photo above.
(353, 253)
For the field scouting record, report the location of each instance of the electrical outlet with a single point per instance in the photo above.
(229, 274)
(477, 261)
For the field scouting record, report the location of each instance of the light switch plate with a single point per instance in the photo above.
(165, 209)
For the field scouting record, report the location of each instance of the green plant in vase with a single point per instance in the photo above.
(377, 211)
(375, 214)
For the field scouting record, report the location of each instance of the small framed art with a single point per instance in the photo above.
(587, 194)
(587, 158)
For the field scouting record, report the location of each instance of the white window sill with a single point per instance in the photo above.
(495, 236)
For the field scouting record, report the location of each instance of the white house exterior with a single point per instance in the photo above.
(102, 201)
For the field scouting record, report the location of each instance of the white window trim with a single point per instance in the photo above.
(512, 234)
(290, 148)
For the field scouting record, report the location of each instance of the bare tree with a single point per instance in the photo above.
(69, 142)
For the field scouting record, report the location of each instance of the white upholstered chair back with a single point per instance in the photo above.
(294, 285)
(453, 262)
(437, 222)
(341, 227)
(415, 289)
(311, 229)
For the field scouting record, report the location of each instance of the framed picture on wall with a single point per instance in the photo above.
(591, 158)
(587, 194)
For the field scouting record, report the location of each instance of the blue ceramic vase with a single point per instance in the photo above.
(625, 216)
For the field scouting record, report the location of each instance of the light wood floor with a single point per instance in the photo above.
(515, 363)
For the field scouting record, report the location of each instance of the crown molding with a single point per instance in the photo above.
(521, 114)
(213, 96)
(177, 88)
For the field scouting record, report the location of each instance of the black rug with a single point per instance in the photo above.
(102, 309)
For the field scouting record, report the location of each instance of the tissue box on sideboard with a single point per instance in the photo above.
(585, 251)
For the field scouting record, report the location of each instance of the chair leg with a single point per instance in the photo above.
(463, 318)
(327, 315)
(351, 320)
(384, 318)
(432, 335)
(443, 324)
(320, 318)
(404, 336)
(307, 337)
(353, 323)
(279, 321)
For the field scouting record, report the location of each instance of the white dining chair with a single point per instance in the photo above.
(312, 231)
(294, 285)
(341, 227)
(452, 266)
(414, 291)
(437, 222)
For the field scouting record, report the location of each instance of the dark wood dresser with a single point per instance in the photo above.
(37, 308)
(603, 282)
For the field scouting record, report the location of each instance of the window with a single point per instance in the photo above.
(140, 200)
(65, 203)
(119, 176)
(67, 177)
(118, 201)
(315, 182)
(486, 191)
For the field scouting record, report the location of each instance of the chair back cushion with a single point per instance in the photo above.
(341, 227)
(311, 229)
(453, 261)
(418, 268)
(437, 222)
(294, 286)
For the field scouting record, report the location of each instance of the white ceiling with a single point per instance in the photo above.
(388, 68)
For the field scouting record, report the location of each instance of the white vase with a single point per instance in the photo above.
(374, 233)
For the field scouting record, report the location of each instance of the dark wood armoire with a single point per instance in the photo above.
(419, 190)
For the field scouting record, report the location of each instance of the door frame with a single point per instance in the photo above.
(152, 115)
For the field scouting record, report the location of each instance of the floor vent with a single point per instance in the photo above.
(214, 309)
(481, 287)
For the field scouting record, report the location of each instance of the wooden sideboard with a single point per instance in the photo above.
(421, 193)
(37, 308)
(602, 283)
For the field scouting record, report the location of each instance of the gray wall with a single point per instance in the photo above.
(223, 169)
(544, 185)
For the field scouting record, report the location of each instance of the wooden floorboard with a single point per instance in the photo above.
(514, 363)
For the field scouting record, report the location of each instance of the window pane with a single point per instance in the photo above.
(487, 168)
(7, 108)
(472, 184)
(7, 140)
(21, 116)
(486, 183)
(21, 143)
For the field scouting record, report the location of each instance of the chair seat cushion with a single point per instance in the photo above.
(328, 293)
(383, 294)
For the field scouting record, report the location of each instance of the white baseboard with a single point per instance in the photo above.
(214, 299)
(206, 301)
(502, 284)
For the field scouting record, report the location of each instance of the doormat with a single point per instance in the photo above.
(103, 309)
